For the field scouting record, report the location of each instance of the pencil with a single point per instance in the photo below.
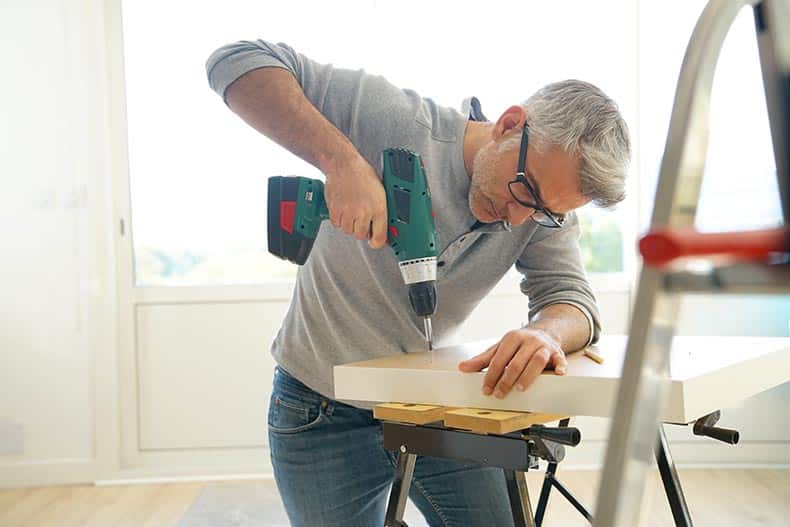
(594, 356)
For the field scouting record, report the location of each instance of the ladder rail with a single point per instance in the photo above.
(642, 390)
(775, 65)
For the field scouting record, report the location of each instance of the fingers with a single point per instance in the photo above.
(347, 222)
(559, 361)
(517, 362)
(378, 233)
(336, 219)
(357, 202)
(512, 373)
(507, 348)
(478, 362)
(537, 363)
(355, 223)
(362, 227)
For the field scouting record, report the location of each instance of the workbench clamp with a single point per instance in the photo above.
(704, 427)
(547, 443)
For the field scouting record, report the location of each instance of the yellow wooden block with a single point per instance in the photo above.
(495, 421)
(418, 414)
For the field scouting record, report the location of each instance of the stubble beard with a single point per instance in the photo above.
(483, 174)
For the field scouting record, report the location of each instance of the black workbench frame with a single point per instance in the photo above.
(512, 452)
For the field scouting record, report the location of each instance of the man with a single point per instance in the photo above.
(350, 304)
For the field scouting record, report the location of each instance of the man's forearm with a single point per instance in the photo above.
(271, 101)
(565, 323)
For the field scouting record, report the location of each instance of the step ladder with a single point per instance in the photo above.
(642, 390)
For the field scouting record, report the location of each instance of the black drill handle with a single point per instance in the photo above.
(564, 435)
(725, 435)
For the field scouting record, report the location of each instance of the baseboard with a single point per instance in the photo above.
(589, 455)
(47, 473)
(183, 479)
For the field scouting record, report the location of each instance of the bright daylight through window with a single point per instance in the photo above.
(198, 173)
(739, 189)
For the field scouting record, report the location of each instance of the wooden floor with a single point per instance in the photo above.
(717, 498)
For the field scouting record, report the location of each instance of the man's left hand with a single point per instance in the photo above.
(517, 359)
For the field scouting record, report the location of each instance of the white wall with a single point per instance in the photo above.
(57, 303)
(68, 413)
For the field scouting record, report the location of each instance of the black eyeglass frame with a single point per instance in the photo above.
(542, 216)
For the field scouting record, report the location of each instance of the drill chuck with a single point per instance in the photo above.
(422, 297)
(420, 275)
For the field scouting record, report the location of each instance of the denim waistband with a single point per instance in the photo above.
(287, 382)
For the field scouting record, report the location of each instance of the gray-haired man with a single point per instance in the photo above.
(565, 146)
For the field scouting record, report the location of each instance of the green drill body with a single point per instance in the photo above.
(297, 207)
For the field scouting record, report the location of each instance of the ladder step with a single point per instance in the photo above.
(662, 247)
(743, 278)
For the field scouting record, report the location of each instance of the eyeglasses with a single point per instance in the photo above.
(523, 192)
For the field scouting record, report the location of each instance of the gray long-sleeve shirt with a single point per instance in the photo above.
(350, 303)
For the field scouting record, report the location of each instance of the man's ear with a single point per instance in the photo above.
(512, 118)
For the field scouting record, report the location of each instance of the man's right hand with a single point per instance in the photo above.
(356, 200)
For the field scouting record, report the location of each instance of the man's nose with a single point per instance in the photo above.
(518, 214)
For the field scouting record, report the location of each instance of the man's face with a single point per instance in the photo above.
(553, 175)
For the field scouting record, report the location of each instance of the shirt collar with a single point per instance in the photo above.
(471, 107)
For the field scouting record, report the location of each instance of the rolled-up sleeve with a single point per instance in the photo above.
(365, 107)
(554, 274)
(231, 61)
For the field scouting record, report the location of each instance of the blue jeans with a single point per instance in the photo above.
(332, 469)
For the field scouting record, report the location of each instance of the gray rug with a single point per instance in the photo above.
(250, 504)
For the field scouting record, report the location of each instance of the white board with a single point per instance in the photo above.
(708, 374)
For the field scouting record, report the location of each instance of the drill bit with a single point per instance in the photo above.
(429, 336)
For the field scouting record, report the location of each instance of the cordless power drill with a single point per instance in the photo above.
(296, 208)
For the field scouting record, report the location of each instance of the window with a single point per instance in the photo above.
(740, 165)
(198, 173)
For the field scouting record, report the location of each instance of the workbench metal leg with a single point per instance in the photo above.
(669, 476)
(543, 501)
(400, 490)
(519, 498)
(572, 500)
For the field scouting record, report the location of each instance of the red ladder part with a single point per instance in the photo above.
(661, 247)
